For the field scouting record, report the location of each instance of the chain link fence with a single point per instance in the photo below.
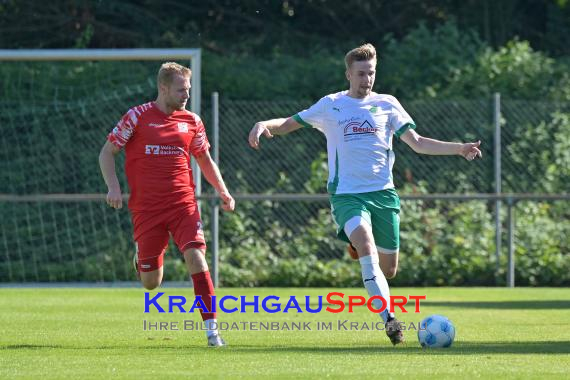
(302, 228)
(296, 163)
(52, 147)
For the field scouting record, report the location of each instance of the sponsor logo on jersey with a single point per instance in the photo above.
(155, 125)
(356, 128)
(163, 150)
(353, 119)
(183, 127)
(152, 149)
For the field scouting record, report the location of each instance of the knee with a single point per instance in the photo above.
(150, 283)
(367, 250)
(390, 272)
(196, 259)
(389, 264)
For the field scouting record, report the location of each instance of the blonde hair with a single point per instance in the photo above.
(365, 52)
(168, 70)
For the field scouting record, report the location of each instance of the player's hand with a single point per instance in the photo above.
(228, 202)
(470, 151)
(115, 198)
(258, 130)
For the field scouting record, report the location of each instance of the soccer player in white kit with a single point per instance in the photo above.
(359, 126)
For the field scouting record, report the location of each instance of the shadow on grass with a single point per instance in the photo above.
(459, 348)
(511, 305)
(33, 346)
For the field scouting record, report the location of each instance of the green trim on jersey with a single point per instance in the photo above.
(298, 119)
(390, 163)
(332, 186)
(404, 128)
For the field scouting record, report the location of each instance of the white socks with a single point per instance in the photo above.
(375, 283)
(211, 327)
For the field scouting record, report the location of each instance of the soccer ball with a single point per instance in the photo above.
(436, 331)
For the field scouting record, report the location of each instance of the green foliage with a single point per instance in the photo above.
(278, 255)
(539, 156)
(542, 244)
(515, 70)
(85, 37)
(453, 244)
(319, 175)
(423, 63)
(277, 77)
(439, 62)
(443, 244)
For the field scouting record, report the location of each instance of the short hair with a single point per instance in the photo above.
(365, 52)
(168, 70)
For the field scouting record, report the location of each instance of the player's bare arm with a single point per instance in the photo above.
(107, 164)
(271, 127)
(214, 177)
(424, 145)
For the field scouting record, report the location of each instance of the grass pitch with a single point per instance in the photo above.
(55, 333)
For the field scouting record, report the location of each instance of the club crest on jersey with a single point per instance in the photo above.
(183, 127)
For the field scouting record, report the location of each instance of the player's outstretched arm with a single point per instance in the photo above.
(107, 165)
(271, 127)
(214, 177)
(425, 145)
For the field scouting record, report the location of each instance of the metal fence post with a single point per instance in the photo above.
(214, 228)
(511, 263)
(497, 122)
(196, 106)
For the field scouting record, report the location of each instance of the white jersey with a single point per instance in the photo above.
(359, 136)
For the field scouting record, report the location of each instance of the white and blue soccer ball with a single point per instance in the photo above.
(436, 331)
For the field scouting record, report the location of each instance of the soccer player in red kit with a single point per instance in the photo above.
(158, 138)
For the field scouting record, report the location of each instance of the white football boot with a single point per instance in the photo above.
(215, 340)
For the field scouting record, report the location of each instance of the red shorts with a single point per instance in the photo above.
(152, 232)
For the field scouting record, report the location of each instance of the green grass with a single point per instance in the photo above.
(98, 333)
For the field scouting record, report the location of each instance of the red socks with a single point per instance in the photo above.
(203, 287)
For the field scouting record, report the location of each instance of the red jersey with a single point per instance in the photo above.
(158, 148)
